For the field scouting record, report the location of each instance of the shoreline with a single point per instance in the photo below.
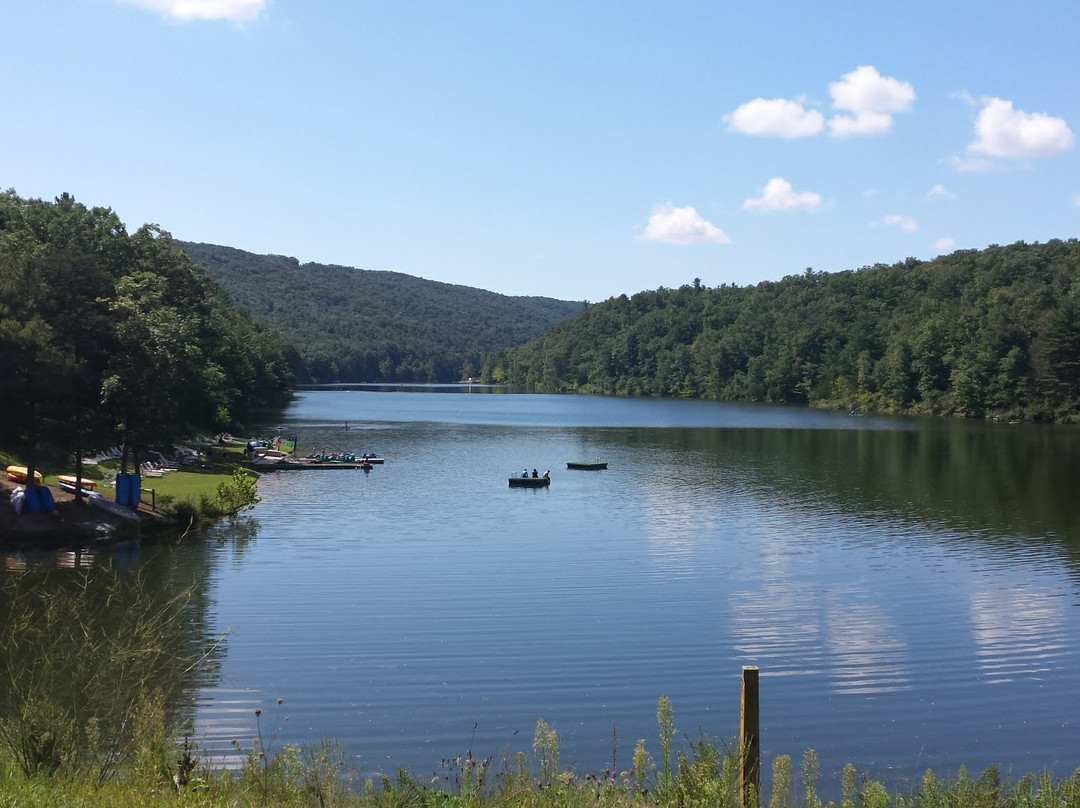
(78, 523)
(72, 523)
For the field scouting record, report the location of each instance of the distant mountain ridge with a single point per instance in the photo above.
(357, 325)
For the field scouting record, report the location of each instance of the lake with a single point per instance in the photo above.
(908, 588)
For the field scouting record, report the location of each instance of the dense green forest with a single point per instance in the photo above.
(983, 333)
(356, 325)
(111, 338)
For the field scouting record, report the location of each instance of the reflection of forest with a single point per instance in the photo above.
(1006, 482)
(94, 634)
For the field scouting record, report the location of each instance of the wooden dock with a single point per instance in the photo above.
(302, 466)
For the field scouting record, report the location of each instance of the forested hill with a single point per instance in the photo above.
(975, 333)
(364, 326)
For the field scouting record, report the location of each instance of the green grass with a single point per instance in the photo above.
(197, 480)
(702, 774)
(189, 482)
(185, 495)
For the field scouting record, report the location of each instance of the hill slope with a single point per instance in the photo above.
(356, 325)
(983, 333)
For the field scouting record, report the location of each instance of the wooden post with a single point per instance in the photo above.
(750, 740)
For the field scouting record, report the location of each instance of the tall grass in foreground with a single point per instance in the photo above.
(95, 667)
(701, 773)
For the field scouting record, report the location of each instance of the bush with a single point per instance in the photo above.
(238, 493)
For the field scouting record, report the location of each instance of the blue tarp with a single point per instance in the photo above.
(38, 499)
(128, 491)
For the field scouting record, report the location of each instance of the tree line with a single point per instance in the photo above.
(978, 333)
(362, 325)
(109, 337)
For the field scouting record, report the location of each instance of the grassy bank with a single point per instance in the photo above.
(703, 773)
(217, 485)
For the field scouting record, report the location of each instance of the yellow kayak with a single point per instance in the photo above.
(17, 474)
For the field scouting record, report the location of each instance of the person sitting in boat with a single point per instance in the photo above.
(524, 472)
(547, 473)
(535, 474)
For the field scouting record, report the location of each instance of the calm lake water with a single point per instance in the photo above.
(908, 588)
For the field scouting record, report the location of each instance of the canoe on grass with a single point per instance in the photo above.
(70, 487)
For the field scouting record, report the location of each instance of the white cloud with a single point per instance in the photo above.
(866, 101)
(904, 223)
(939, 191)
(779, 195)
(238, 10)
(1001, 131)
(943, 245)
(872, 100)
(865, 90)
(674, 225)
(776, 117)
(969, 165)
(865, 123)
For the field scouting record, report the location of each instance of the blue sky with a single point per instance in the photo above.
(576, 150)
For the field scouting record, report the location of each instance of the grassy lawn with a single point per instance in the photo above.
(191, 483)
(196, 480)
